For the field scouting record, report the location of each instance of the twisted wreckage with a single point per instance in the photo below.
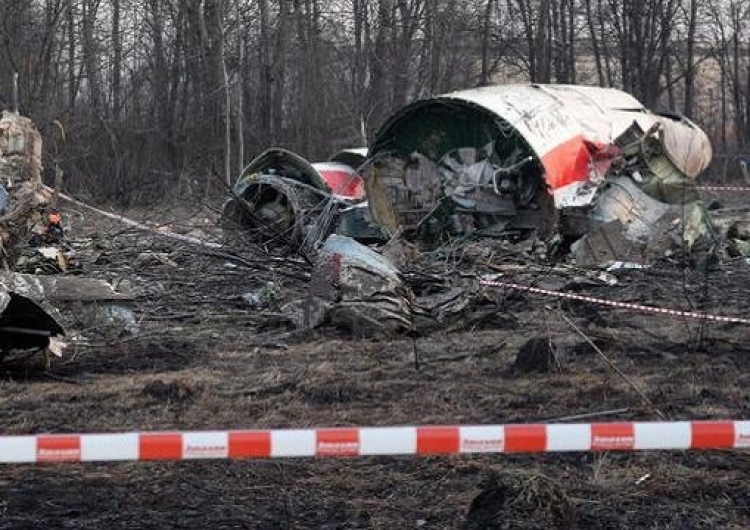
(35, 309)
(584, 174)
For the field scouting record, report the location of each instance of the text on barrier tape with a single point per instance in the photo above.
(375, 441)
(621, 305)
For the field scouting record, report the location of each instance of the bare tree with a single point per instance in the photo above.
(166, 87)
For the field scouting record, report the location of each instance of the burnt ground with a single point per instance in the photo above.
(205, 360)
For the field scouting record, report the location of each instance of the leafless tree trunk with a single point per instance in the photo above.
(360, 61)
(535, 18)
(376, 98)
(116, 68)
(72, 77)
(692, 24)
(266, 76)
(595, 46)
(736, 11)
(214, 10)
(240, 95)
(279, 71)
(90, 53)
(484, 78)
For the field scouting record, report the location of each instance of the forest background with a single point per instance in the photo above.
(142, 100)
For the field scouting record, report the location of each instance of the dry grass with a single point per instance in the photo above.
(215, 364)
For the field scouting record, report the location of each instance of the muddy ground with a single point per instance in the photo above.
(205, 360)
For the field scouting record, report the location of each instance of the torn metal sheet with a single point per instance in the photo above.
(281, 198)
(77, 303)
(26, 325)
(353, 157)
(525, 161)
(657, 202)
(45, 306)
(356, 288)
(356, 221)
(552, 123)
(605, 244)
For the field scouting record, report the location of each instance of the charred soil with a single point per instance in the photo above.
(205, 359)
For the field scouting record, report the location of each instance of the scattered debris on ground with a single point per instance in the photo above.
(36, 309)
(579, 177)
(389, 327)
(203, 358)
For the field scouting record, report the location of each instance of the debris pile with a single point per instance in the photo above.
(22, 194)
(573, 168)
(647, 208)
(584, 173)
(578, 176)
(36, 309)
(282, 200)
(358, 289)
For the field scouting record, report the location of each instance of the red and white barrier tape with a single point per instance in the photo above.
(622, 305)
(723, 188)
(376, 441)
(152, 228)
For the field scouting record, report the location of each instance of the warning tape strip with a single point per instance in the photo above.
(723, 188)
(152, 228)
(376, 441)
(623, 305)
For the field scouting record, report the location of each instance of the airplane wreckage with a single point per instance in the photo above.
(575, 173)
(36, 309)
(571, 173)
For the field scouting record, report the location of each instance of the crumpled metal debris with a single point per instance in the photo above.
(36, 309)
(733, 223)
(20, 177)
(543, 162)
(466, 192)
(75, 302)
(356, 288)
(646, 208)
(534, 170)
(26, 324)
(734, 226)
(282, 199)
(267, 295)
